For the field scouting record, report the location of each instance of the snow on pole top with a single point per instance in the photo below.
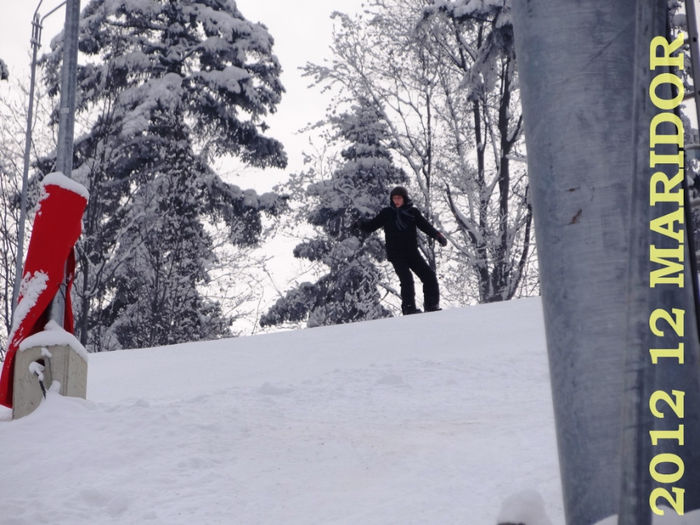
(59, 179)
(54, 335)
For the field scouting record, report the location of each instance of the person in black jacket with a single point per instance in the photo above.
(400, 220)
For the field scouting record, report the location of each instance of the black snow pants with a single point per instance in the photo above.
(403, 265)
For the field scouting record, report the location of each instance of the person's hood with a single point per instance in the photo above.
(407, 203)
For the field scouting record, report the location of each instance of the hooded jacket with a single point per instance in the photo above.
(400, 231)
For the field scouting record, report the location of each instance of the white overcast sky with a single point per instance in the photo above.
(301, 29)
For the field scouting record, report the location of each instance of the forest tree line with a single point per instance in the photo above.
(425, 95)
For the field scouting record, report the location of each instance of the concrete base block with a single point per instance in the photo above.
(60, 363)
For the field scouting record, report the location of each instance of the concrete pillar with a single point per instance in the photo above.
(61, 363)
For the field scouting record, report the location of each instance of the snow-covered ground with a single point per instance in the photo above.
(433, 419)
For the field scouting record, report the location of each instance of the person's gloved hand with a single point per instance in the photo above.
(357, 228)
(441, 239)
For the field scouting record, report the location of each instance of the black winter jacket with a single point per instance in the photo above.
(400, 232)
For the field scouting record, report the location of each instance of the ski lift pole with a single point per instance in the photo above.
(64, 149)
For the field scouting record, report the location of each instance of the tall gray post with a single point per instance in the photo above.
(36, 44)
(69, 70)
(659, 438)
(576, 66)
(35, 41)
(64, 151)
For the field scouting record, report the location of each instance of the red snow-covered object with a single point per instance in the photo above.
(50, 260)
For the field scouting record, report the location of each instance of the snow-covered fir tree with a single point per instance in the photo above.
(165, 87)
(167, 254)
(4, 71)
(359, 187)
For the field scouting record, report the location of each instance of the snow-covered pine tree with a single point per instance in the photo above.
(359, 187)
(166, 86)
(4, 71)
(167, 253)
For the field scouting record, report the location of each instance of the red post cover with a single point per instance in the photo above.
(50, 259)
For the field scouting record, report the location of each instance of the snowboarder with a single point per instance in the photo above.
(400, 220)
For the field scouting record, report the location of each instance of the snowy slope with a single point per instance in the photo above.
(434, 418)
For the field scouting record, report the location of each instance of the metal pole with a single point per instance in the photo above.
(36, 42)
(37, 25)
(636, 451)
(574, 61)
(64, 152)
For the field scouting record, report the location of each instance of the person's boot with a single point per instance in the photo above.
(409, 309)
(433, 308)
